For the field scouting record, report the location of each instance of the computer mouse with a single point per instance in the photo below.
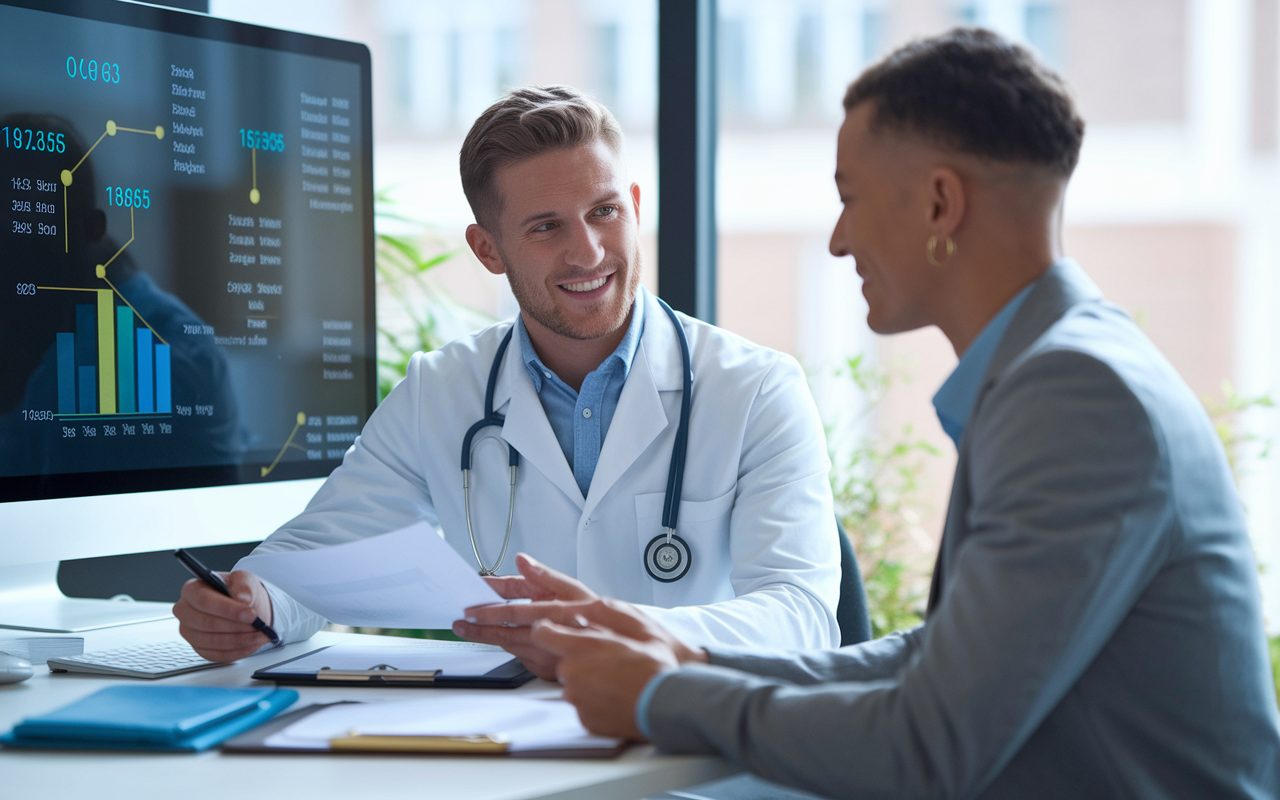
(14, 669)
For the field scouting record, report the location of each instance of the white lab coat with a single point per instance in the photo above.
(756, 508)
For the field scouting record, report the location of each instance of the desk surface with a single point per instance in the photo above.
(129, 776)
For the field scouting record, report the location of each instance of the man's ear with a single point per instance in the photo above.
(947, 202)
(485, 247)
(635, 201)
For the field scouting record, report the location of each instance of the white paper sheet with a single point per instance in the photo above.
(407, 579)
(451, 658)
(529, 724)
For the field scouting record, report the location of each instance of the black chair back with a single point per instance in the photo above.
(851, 612)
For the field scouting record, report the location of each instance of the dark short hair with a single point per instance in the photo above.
(977, 93)
(528, 122)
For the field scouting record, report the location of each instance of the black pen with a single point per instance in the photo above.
(202, 572)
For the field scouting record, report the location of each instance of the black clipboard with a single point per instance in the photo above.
(507, 676)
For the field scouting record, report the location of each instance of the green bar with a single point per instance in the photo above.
(124, 358)
(106, 353)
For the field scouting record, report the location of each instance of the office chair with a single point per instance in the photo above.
(851, 611)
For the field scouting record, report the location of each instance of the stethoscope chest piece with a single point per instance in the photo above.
(667, 558)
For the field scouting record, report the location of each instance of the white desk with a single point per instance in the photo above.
(213, 776)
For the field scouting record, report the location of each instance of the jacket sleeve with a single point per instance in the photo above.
(873, 660)
(379, 487)
(1067, 525)
(782, 534)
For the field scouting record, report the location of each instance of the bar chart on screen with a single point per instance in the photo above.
(113, 363)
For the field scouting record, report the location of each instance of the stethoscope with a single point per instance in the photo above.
(667, 557)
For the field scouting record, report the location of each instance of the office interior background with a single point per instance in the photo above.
(1173, 209)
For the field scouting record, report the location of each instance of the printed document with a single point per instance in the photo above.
(410, 578)
(528, 724)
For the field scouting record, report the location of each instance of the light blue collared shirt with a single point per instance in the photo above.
(581, 419)
(954, 401)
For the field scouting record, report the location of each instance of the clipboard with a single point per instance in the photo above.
(254, 742)
(308, 669)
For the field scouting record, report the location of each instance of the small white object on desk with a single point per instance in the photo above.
(14, 669)
(39, 649)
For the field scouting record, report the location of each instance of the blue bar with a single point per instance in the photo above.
(88, 390)
(66, 373)
(86, 336)
(146, 392)
(124, 360)
(164, 404)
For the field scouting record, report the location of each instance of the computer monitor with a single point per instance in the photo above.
(187, 323)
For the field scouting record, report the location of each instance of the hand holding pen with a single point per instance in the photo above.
(217, 623)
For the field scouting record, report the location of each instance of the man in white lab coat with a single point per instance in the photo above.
(590, 387)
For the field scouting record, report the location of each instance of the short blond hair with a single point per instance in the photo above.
(528, 122)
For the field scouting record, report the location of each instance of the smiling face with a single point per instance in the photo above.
(567, 240)
(884, 223)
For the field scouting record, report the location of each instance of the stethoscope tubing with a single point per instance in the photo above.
(675, 473)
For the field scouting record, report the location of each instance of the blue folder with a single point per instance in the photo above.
(166, 718)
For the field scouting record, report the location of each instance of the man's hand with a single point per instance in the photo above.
(554, 595)
(605, 667)
(218, 627)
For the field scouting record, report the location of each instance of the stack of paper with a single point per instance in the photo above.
(39, 649)
(523, 724)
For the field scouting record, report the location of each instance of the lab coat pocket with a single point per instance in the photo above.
(704, 526)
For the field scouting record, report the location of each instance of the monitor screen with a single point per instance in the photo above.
(187, 248)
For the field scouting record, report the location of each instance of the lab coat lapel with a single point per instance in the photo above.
(526, 427)
(640, 417)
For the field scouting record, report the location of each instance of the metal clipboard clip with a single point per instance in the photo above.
(378, 672)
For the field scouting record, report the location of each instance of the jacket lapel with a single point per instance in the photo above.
(640, 417)
(526, 427)
(1062, 286)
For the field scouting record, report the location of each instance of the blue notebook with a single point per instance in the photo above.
(177, 718)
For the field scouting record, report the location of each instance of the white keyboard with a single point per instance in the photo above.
(158, 660)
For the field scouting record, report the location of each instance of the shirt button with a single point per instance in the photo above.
(546, 373)
(586, 413)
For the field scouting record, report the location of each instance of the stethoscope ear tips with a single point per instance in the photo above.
(667, 558)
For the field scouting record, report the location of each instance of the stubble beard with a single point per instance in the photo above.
(534, 302)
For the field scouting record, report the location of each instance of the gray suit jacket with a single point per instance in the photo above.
(1094, 628)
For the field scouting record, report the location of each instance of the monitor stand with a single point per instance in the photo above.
(31, 600)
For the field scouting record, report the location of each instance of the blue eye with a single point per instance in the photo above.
(604, 211)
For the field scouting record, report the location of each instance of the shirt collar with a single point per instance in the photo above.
(623, 354)
(954, 401)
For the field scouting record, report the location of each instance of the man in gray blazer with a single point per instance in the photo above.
(1094, 625)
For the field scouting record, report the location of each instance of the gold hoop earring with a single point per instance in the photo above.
(932, 245)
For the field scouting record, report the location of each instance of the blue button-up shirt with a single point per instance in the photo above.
(581, 419)
(954, 401)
